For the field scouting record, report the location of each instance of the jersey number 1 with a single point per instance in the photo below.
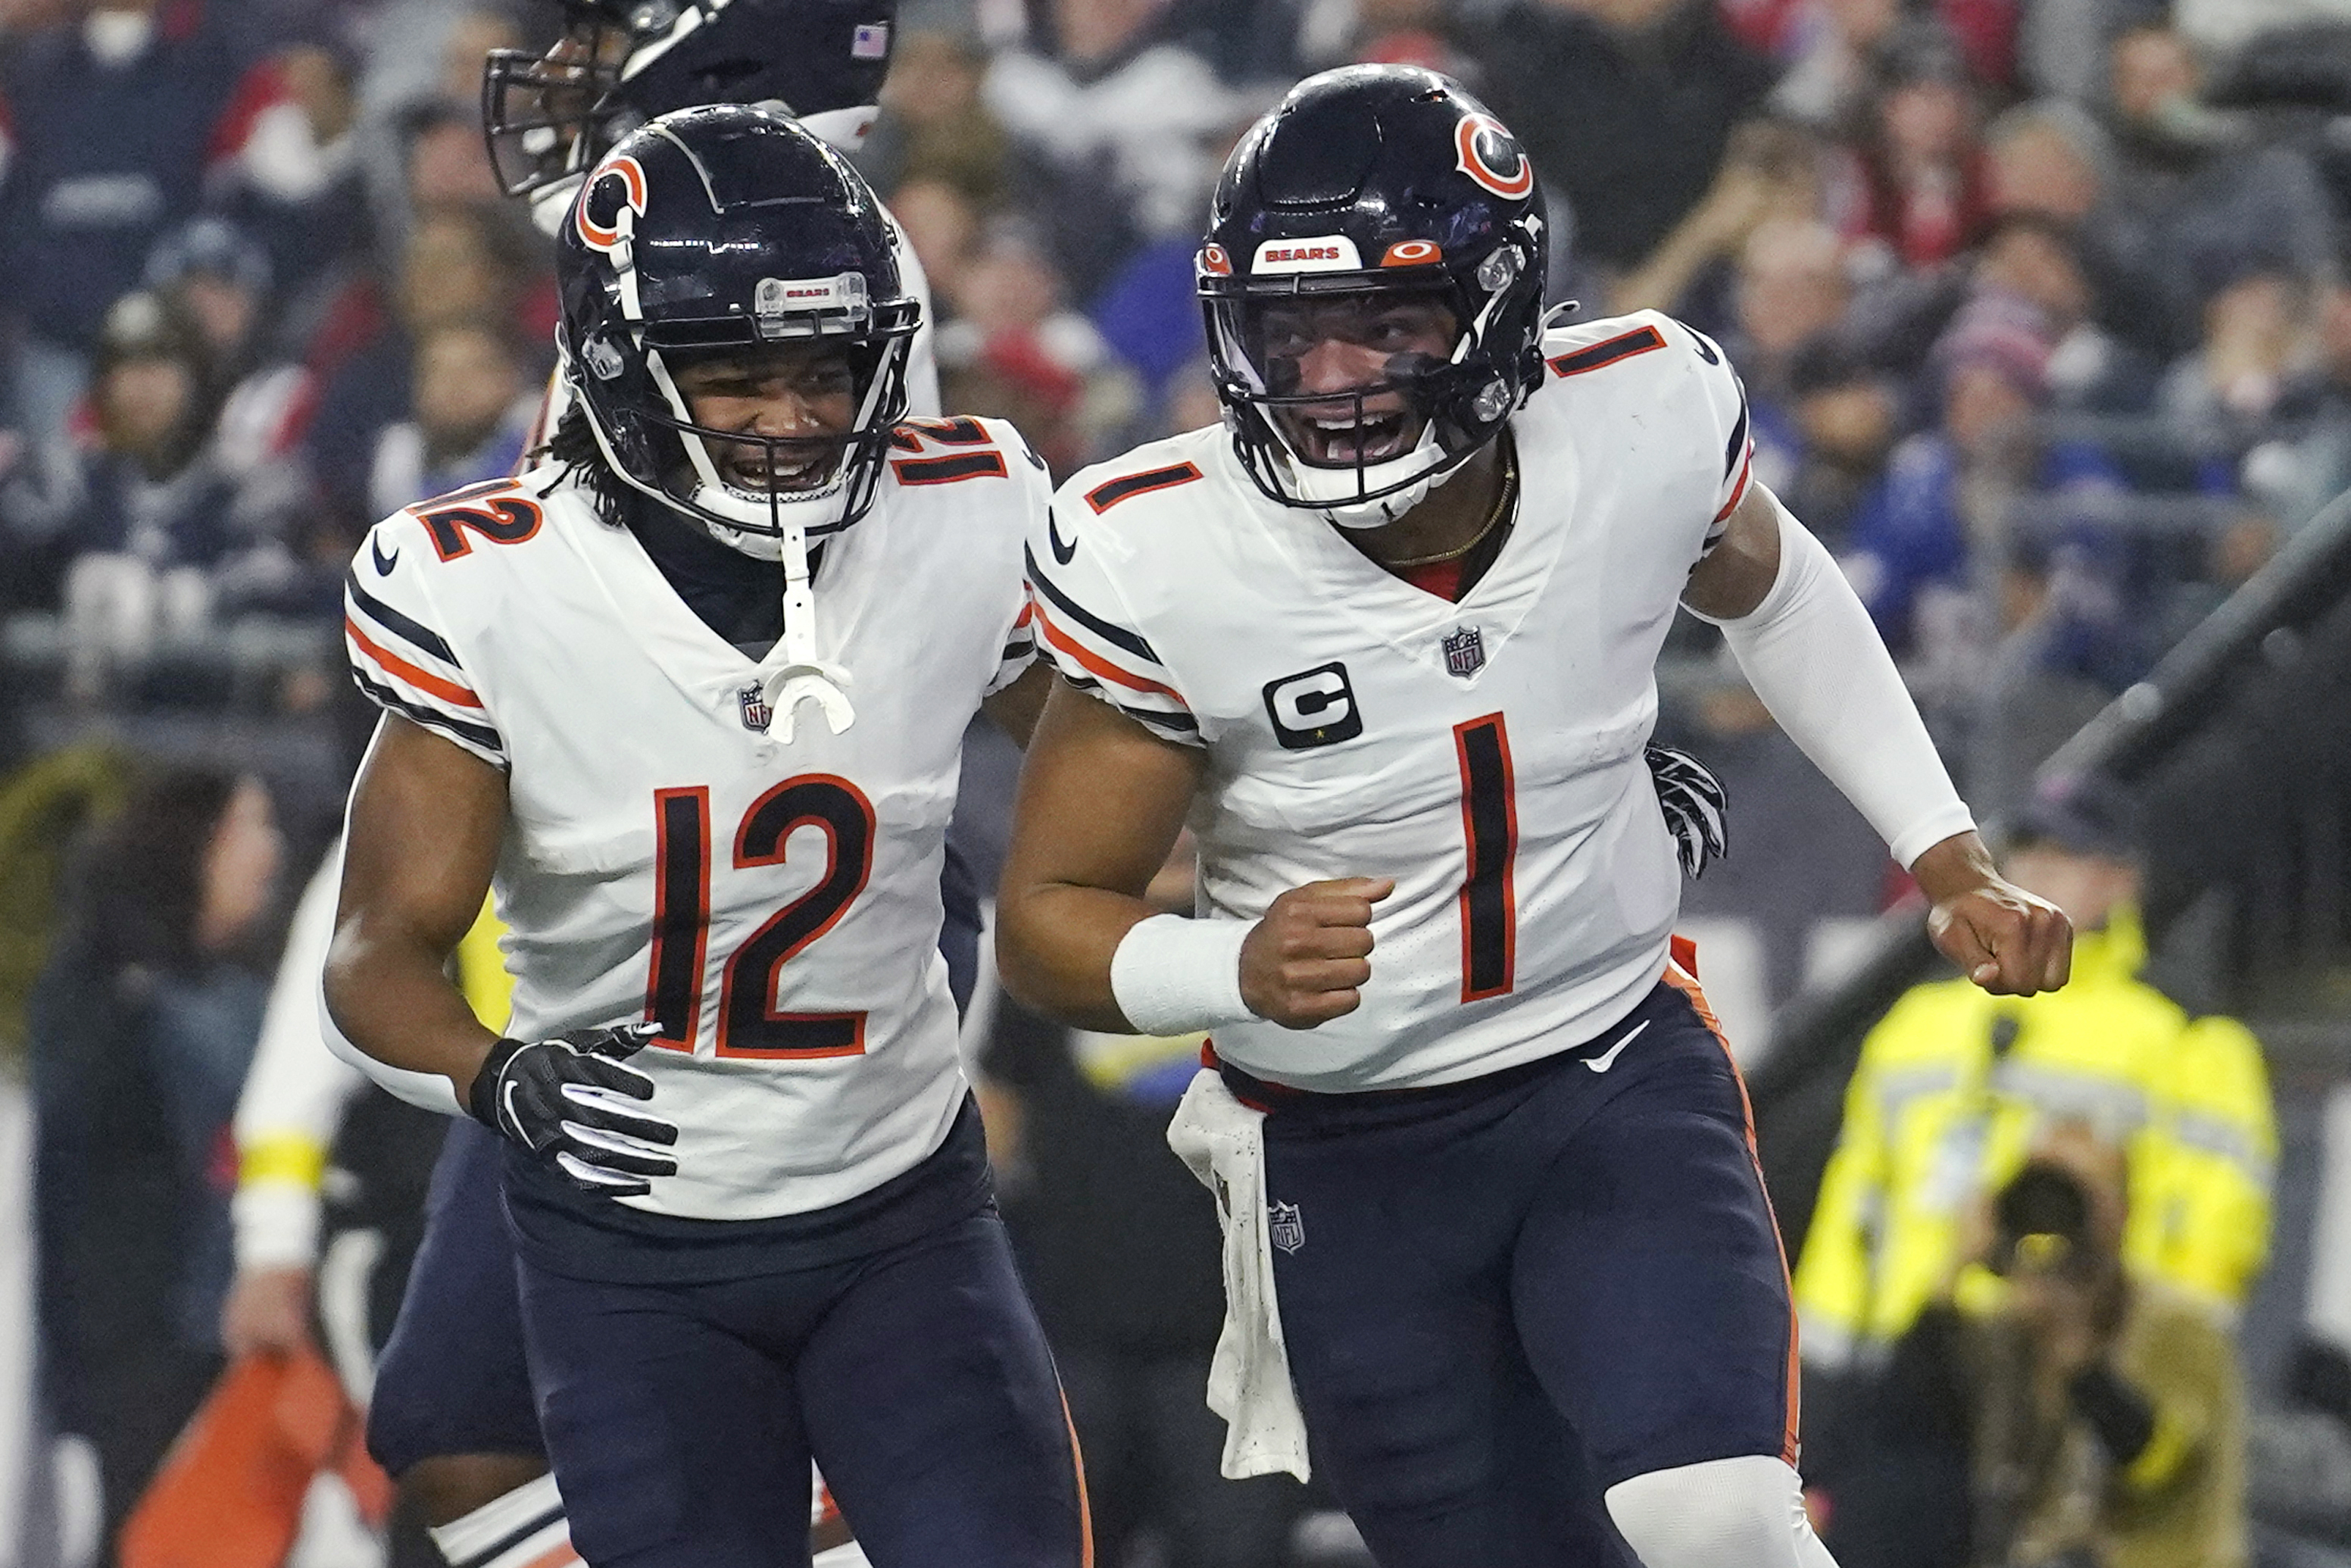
(1489, 819)
(748, 1023)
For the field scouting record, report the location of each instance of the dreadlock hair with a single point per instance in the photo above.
(573, 445)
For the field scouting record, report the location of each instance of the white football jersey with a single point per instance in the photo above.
(1485, 754)
(668, 856)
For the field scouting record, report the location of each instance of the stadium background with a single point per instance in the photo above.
(2041, 305)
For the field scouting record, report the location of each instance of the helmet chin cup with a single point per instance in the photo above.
(1372, 495)
(764, 524)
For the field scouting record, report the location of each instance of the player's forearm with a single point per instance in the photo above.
(1054, 947)
(1815, 659)
(390, 1009)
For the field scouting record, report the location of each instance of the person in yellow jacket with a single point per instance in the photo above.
(1955, 1085)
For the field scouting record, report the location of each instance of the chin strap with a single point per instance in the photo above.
(803, 677)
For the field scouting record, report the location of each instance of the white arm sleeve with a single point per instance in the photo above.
(294, 1095)
(1814, 656)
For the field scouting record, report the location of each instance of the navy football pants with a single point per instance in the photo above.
(451, 1378)
(681, 1417)
(1508, 1295)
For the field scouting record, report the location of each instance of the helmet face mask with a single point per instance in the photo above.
(551, 117)
(745, 487)
(734, 326)
(1372, 284)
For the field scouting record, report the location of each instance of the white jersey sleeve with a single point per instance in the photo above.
(295, 1095)
(1083, 623)
(392, 629)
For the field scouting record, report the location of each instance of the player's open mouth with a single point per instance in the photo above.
(756, 471)
(1342, 439)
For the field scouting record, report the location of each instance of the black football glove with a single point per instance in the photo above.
(566, 1100)
(1697, 810)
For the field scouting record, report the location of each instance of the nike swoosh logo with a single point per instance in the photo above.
(1063, 554)
(383, 563)
(1607, 1058)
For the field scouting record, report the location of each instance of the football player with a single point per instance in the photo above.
(451, 1417)
(693, 695)
(1385, 638)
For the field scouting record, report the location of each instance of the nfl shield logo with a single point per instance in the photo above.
(1465, 652)
(756, 713)
(870, 42)
(1285, 1226)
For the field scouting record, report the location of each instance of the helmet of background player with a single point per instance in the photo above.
(720, 232)
(1372, 193)
(551, 117)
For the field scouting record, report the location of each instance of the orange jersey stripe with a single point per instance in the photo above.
(423, 680)
(1096, 663)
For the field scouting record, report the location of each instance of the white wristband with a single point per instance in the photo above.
(1171, 976)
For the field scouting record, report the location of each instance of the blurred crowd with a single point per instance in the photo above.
(1990, 268)
(2042, 307)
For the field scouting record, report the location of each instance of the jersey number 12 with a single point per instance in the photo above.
(748, 1023)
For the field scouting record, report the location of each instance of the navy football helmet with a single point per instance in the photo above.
(715, 232)
(551, 117)
(1369, 185)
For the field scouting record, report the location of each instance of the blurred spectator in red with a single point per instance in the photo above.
(115, 120)
(297, 184)
(141, 1026)
(1922, 173)
(474, 408)
(1118, 126)
(933, 125)
(1625, 106)
(1012, 326)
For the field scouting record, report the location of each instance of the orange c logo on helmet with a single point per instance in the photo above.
(1412, 253)
(1470, 140)
(1213, 261)
(607, 236)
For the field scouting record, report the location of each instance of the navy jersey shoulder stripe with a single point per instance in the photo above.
(415, 635)
(1737, 448)
(1623, 346)
(481, 734)
(1117, 635)
(1110, 492)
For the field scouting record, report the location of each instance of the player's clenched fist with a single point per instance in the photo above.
(1305, 963)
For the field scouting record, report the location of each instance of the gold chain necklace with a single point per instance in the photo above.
(1505, 499)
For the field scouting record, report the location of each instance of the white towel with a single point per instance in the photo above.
(1223, 1141)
